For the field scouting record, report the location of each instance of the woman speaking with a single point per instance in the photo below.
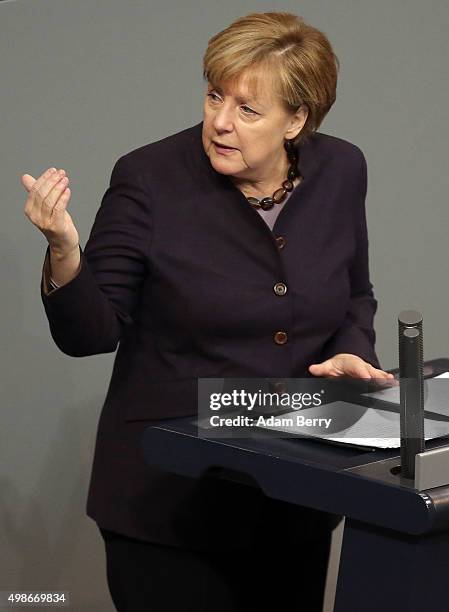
(235, 248)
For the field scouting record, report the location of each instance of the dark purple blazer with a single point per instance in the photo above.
(179, 272)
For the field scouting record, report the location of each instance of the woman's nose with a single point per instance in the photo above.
(223, 119)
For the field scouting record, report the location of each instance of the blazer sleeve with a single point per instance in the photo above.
(356, 335)
(88, 314)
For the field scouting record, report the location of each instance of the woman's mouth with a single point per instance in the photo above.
(223, 150)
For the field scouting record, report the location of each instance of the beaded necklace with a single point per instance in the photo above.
(287, 186)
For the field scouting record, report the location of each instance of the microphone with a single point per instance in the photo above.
(411, 389)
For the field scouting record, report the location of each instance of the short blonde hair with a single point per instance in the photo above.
(297, 57)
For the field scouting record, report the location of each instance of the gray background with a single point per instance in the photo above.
(84, 82)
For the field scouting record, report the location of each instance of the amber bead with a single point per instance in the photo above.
(279, 195)
(253, 201)
(266, 203)
(292, 173)
(287, 185)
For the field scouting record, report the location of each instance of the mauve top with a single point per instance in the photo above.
(270, 216)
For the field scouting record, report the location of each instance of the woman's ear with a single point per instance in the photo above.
(297, 122)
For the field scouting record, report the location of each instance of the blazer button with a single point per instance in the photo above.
(280, 289)
(280, 337)
(280, 242)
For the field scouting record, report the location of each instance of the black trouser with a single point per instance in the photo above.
(272, 575)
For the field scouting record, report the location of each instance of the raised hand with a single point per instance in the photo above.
(46, 207)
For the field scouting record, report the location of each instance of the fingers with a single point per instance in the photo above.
(36, 182)
(355, 366)
(51, 191)
(375, 373)
(316, 369)
(61, 204)
(346, 364)
(44, 193)
(49, 182)
(326, 368)
(27, 181)
(359, 368)
(383, 379)
(341, 365)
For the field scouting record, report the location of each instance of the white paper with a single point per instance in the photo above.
(436, 395)
(358, 425)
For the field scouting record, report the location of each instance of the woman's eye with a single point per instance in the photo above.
(246, 109)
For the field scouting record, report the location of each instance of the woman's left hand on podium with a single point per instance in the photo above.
(346, 364)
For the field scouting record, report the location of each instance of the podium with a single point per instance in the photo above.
(395, 550)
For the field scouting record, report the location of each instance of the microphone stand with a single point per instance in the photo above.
(411, 388)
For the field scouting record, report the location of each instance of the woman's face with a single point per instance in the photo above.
(255, 128)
